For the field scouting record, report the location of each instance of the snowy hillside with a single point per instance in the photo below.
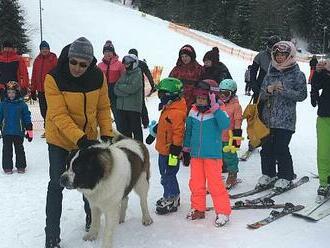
(23, 196)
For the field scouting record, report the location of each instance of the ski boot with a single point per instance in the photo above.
(194, 214)
(265, 181)
(221, 220)
(167, 206)
(282, 185)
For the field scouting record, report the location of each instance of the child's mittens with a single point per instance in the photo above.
(237, 133)
(213, 103)
(152, 132)
(29, 135)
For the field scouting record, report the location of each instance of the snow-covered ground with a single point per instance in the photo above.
(23, 196)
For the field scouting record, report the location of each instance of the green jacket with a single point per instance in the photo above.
(128, 90)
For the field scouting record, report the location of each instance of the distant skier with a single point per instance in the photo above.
(247, 80)
(321, 81)
(312, 64)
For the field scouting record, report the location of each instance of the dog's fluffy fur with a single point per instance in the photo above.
(106, 174)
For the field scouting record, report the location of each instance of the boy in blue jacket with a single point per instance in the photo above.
(15, 119)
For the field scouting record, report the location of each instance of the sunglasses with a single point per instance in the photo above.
(81, 64)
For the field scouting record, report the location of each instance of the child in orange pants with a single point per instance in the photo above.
(204, 125)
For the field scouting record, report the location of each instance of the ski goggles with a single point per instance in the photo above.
(81, 64)
(281, 48)
(225, 93)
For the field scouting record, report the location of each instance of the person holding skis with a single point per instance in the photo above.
(169, 138)
(15, 119)
(44, 63)
(145, 73)
(283, 86)
(202, 150)
(321, 81)
(188, 71)
(227, 95)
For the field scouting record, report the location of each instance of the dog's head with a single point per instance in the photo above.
(86, 168)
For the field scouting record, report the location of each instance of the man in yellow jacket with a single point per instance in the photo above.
(78, 104)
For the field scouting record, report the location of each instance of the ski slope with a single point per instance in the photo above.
(23, 196)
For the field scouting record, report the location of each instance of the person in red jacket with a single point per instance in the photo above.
(113, 68)
(189, 71)
(44, 63)
(12, 68)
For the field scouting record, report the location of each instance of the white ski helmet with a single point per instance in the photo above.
(132, 60)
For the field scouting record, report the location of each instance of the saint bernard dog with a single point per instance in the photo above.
(106, 174)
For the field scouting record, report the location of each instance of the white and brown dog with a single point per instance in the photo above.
(106, 174)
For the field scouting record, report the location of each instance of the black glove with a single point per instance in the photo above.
(84, 143)
(175, 150)
(34, 95)
(237, 133)
(186, 158)
(107, 139)
(150, 139)
(314, 98)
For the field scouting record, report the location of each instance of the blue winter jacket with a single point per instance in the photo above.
(279, 108)
(203, 133)
(15, 117)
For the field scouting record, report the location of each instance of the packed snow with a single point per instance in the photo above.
(23, 196)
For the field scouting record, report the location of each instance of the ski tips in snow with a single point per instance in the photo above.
(275, 215)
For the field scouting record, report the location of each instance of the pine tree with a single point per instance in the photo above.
(12, 25)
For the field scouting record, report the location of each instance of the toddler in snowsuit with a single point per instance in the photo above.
(15, 119)
(169, 134)
(204, 126)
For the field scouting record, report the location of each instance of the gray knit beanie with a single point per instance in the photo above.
(81, 48)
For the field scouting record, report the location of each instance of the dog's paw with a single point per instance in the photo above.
(147, 221)
(90, 236)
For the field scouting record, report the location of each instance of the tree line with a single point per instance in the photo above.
(249, 22)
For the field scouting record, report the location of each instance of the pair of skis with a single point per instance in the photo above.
(272, 193)
(315, 211)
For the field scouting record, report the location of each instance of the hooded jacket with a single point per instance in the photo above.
(76, 106)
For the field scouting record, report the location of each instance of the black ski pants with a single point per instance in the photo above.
(7, 152)
(57, 159)
(276, 148)
(130, 124)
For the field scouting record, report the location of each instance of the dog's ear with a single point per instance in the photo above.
(70, 157)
